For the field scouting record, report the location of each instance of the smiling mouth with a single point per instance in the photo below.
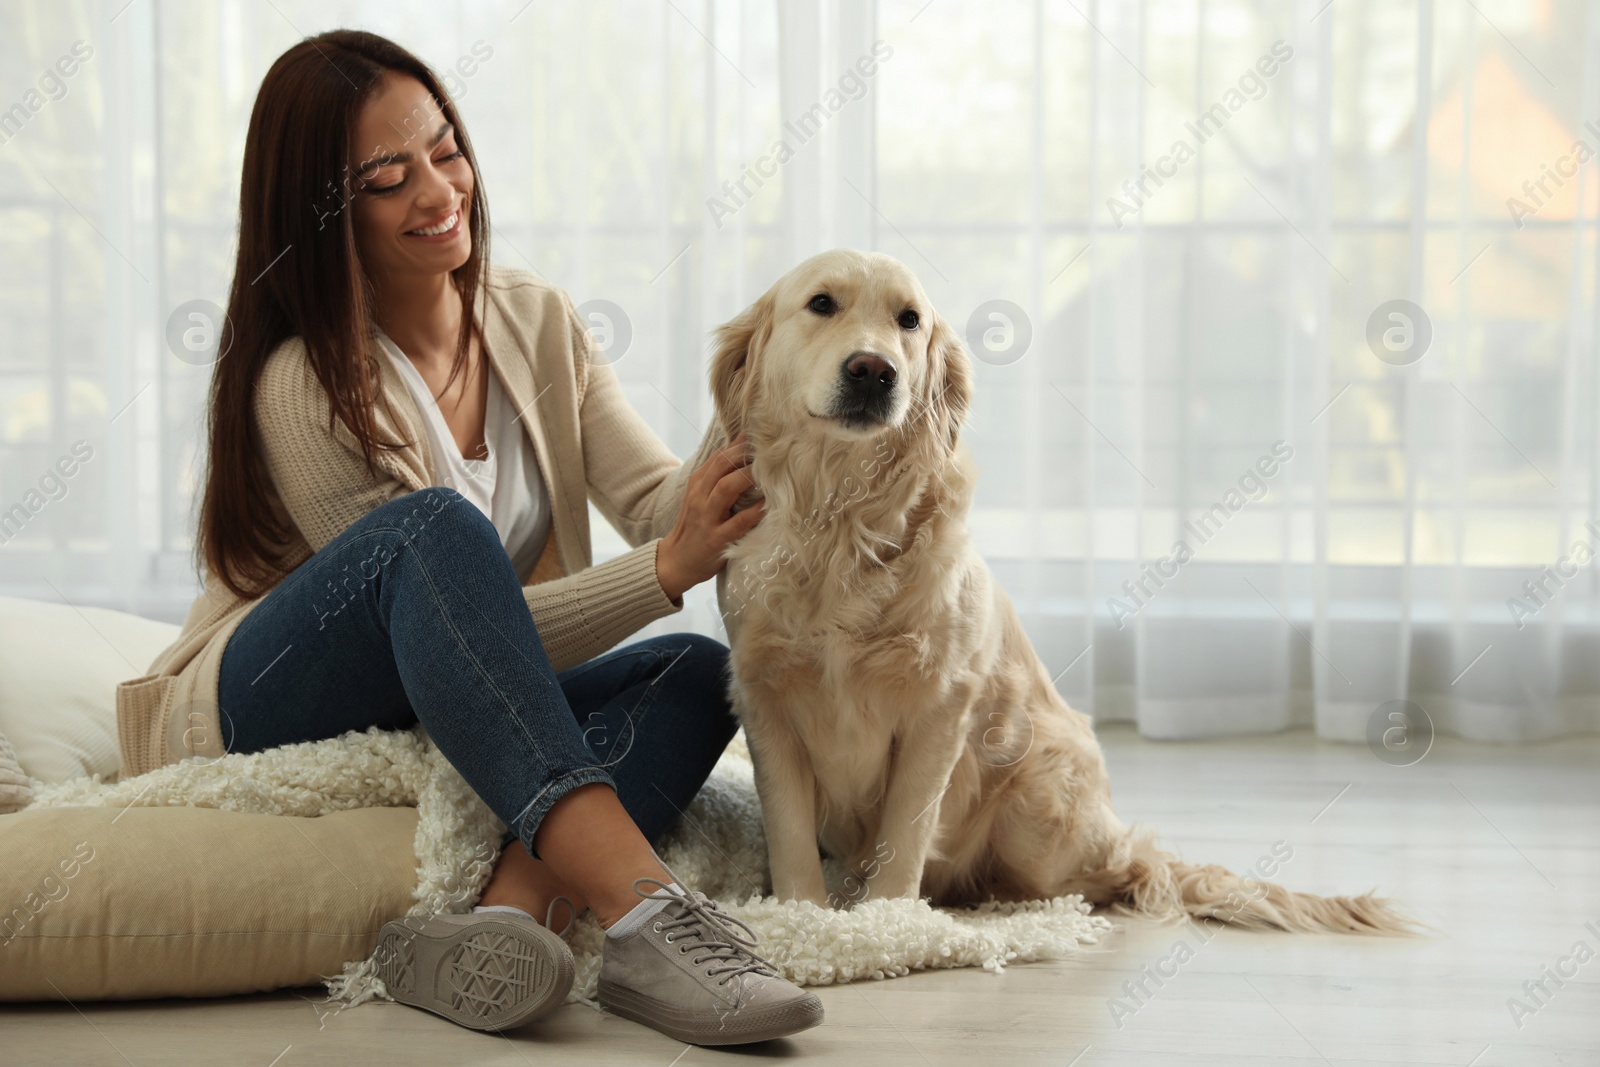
(444, 227)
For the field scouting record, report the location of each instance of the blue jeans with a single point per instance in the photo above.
(414, 613)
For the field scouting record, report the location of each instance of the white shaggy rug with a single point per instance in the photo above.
(718, 848)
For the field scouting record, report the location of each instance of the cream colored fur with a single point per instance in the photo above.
(895, 709)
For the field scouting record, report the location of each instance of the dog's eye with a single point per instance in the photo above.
(823, 304)
(908, 319)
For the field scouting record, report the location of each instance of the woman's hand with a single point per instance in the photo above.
(692, 551)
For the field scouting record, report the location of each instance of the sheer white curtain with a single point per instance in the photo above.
(1229, 490)
(1220, 504)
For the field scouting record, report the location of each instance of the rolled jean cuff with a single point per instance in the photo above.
(532, 816)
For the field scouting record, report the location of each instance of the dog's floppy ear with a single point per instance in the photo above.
(739, 341)
(950, 382)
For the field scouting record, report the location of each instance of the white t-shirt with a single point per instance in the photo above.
(506, 484)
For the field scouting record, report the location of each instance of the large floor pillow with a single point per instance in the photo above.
(59, 669)
(119, 903)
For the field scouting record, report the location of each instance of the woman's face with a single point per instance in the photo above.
(412, 185)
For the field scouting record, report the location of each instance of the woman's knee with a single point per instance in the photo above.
(706, 653)
(701, 663)
(438, 517)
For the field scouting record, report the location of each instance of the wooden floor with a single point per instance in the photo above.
(1496, 847)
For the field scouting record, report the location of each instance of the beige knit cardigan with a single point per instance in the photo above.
(589, 443)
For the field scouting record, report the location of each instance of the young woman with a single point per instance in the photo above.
(402, 443)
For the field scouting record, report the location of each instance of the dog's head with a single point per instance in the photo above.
(845, 347)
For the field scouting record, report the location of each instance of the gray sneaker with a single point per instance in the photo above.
(485, 971)
(689, 973)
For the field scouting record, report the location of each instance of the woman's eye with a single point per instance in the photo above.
(908, 319)
(368, 185)
(822, 304)
(381, 190)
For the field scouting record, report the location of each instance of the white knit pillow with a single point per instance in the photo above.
(59, 669)
(16, 792)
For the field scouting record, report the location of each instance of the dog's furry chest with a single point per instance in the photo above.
(841, 690)
(835, 662)
(846, 734)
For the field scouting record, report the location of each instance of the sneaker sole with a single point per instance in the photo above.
(493, 973)
(695, 1028)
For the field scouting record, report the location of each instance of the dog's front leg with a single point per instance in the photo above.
(924, 759)
(788, 790)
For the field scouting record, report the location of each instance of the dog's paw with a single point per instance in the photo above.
(817, 894)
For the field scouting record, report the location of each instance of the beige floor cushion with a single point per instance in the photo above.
(122, 903)
(59, 669)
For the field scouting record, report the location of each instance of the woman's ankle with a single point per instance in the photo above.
(523, 882)
(552, 910)
(589, 837)
(613, 907)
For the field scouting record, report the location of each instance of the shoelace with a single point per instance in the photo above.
(572, 919)
(714, 933)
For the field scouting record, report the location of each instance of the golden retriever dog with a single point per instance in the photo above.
(895, 710)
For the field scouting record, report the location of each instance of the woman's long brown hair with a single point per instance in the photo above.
(298, 273)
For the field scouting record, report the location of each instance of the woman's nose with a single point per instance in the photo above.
(435, 190)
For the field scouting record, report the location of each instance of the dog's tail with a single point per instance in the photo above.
(1150, 883)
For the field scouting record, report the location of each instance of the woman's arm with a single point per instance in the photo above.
(644, 490)
(634, 479)
(584, 614)
(324, 485)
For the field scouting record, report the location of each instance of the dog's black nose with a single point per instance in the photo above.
(866, 390)
(869, 371)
